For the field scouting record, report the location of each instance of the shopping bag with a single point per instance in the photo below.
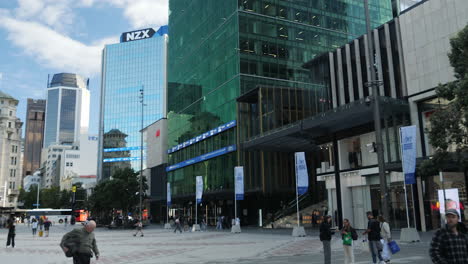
(386, 254)
(41, 233)
(347, 240)
(394, 248)
(365, 246)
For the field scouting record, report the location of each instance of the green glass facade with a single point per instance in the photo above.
(220, 50)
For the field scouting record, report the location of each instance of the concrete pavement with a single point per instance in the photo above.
(253, 245)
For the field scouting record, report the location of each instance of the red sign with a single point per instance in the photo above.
(158, 133)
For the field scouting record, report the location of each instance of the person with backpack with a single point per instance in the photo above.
(348, 234)
(373, 235)
(47, 224)
(326, 234)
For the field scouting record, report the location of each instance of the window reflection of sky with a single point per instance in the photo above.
(130, 66)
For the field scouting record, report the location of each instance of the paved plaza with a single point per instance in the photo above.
(253, 245)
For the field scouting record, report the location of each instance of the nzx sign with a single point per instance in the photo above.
(137, 35)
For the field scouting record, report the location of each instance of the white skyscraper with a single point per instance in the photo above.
(67, 109)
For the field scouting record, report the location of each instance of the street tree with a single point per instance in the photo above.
(120, 192)
(448, 132)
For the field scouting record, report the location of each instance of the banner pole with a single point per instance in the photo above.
(297, 195)
(406, 205)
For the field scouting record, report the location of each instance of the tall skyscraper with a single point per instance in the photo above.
(137, 63)
(10, 151)
(67, 109)
(34, 135)
(250, 50)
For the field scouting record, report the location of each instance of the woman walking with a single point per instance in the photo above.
(386, 236)
(34, 226)
(348, 234)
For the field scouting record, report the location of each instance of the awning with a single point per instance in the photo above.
(347, 120)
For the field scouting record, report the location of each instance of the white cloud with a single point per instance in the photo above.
(57, 14)
(144, 13)
(52, 49)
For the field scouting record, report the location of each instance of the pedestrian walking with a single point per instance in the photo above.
(47, 224)
(66, 222)
(326, 234)
(177, 225)
(80, 243)
(139, 227)
(450, 243)
(348, 234)
(11, 232)
(386, 236)
(41, 223)
(219, 223)
(373, 235)
(34, 226)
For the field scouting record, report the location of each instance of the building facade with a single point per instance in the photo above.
(79, 163)
(51, 158)
(10, 151)
(34, 135)
(236, 47)
(410, 64)
(67, 109)
(426, 43)
(134, 66)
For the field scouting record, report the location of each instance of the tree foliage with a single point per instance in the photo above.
(53, 197)
(120, 192)
(449, 124)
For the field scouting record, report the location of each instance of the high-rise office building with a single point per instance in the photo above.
(34, 135)
(232, 50)
(10, 151)
(67, 109)
(136, 64)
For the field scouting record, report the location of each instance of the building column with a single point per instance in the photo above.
(337, 182)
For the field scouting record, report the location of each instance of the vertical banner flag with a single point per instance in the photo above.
(408, 153)
(302, 177)
(169, 194)
(452, 200)
(199, 188)
(239, 184)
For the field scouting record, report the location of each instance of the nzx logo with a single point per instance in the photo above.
(136, 35)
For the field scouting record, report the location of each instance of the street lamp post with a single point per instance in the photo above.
(376, 109)
(37, 198)
(141, 151)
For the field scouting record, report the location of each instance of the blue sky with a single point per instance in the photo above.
(41, 37)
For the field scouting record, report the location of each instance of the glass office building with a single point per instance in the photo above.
(231, 49)
(137, 63)
(67, 109)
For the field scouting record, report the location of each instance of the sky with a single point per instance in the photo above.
(42, 37)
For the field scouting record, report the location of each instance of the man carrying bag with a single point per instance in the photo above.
(80, 244)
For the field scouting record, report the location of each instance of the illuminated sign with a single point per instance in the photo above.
(203, 136)
(137, 35)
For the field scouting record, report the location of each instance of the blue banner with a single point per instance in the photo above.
(203, 157)
(203, 136)
(302, 177)
(169, 194)
(122, 159)
(239, 182)
(122, 149)
(199, 188)
(408, 153)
